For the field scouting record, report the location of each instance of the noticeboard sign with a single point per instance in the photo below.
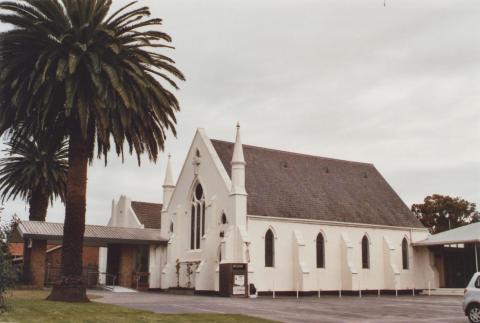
(233, 279)
(238, 285)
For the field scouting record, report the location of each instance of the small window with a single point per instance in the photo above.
(199, 192)
(171, 226)
(365, 253)
(477, 282)
(405, 254)
(320, 251)
(269, 249)
(224, 218)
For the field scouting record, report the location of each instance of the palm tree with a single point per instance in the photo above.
(36, 171)
(72, 70)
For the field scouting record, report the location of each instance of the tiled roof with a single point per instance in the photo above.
(93, 233)
(291, 185)
(149, 214)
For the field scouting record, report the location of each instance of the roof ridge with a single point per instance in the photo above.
(147, 202)
(296, 154)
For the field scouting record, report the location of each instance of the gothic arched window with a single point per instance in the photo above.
(197, 217)
(405, 253)
(320, 251)
(269, 249)
(365, 252)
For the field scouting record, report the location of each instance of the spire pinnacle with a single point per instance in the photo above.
(168, 174)
(238, 150)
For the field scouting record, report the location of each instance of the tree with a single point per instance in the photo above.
(36, 171)
(71, 71)
(441, 212)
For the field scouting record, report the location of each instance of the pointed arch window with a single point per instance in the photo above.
(320, 251)
(269, 249)
(197, 217)
(405, 254)
(365, 252)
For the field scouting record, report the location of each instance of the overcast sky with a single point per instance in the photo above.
(395, 85)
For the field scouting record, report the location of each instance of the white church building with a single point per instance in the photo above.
(299, 222)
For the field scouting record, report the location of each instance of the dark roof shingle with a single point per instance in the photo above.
(291, 185)
(149, 214)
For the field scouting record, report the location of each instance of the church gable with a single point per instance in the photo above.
(291, 185)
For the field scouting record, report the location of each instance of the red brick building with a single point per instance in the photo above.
(53, 254)
(39, 243)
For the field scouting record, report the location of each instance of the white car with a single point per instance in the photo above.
(471, 299)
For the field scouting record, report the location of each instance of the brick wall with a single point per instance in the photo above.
(34, 263)
(89, 258)
(126, 265)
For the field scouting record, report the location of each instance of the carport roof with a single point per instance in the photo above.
(466, 234)
(98, 234)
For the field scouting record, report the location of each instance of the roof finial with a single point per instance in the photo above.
(238, 167)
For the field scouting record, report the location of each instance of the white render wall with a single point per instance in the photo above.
(216, 185)
(343, 268)
(295, 242)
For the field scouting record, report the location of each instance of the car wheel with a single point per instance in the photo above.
(474, 313)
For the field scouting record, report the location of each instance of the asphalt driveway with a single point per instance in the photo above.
(307, 309)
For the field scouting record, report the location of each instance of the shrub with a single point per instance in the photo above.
(8, 274)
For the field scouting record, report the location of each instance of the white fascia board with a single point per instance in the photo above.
(333, 223)
(216, 160)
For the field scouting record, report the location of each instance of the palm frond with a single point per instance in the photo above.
(33, 165)
(66, 62)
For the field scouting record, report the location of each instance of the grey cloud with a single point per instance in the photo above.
(397, 86)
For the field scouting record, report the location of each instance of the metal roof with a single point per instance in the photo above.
(93, 233)
(466, 234)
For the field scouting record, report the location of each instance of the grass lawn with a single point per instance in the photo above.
(31, 306)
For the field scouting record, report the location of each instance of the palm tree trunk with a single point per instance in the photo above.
(38, 205)
(70, 288)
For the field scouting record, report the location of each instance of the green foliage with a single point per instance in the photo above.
(440, 213)
(66, 63)
(31, 166)
(8, 274)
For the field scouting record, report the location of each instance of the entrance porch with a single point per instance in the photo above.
(456, 253)
(123, 253)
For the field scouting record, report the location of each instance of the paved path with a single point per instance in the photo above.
(327, 309)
